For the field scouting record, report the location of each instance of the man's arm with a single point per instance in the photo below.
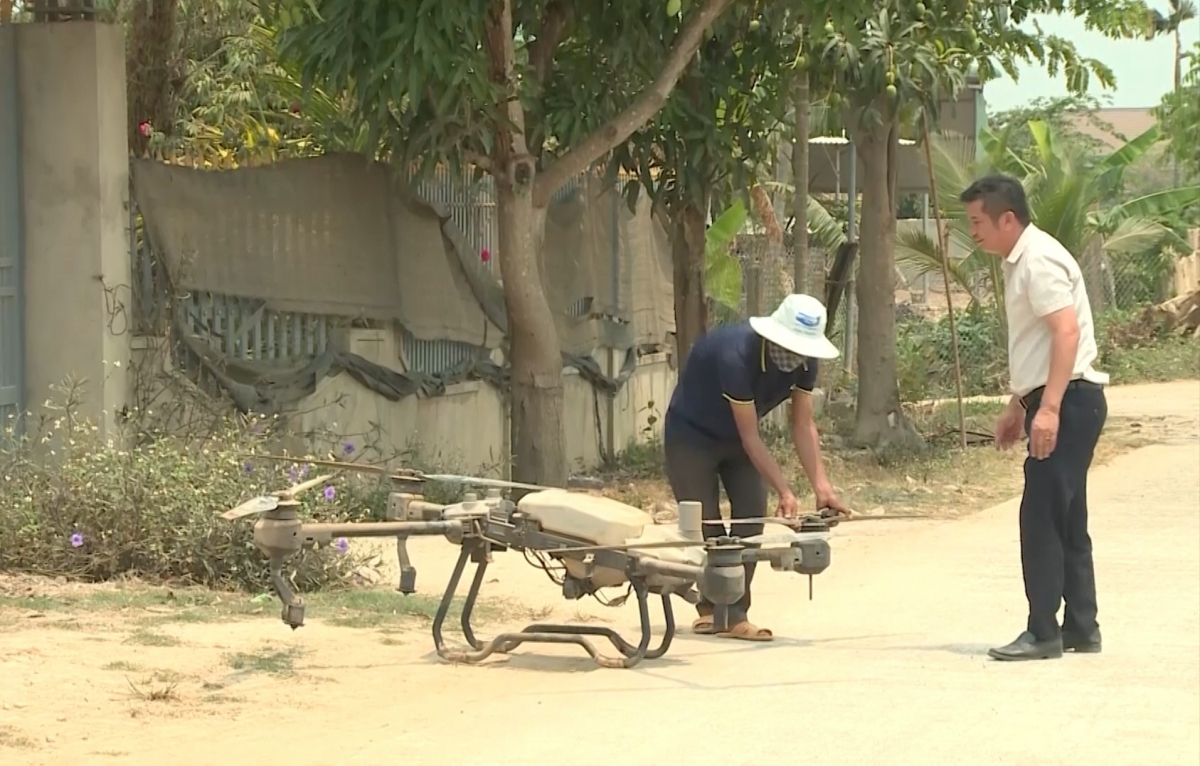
(1064, 344)
(746, 418)
(1051, 298)
(808, 442)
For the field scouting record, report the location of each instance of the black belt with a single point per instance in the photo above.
(1033, 397)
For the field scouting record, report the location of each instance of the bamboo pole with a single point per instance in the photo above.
(944, 250)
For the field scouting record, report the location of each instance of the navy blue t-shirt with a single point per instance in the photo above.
(729, 363)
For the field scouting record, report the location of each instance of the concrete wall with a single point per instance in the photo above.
(466, 428)
(75, 181)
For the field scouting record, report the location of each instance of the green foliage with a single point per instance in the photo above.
(1060, 114)
(429, 82)
(721, 124)
(1179, 118)
(1132, 350)
(1072, 195)
(723, 272)
(903, 58)
(925, 355)
(1135, 348)
(82, 507)
(230, 100)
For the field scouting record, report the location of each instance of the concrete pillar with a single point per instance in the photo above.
(75, 183)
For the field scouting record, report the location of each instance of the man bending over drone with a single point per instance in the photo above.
(732, 377)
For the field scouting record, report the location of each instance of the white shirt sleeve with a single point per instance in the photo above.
(1048, 284)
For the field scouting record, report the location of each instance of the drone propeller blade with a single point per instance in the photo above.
(832, 519)
(291, 492)
(359, 467)
(405, 473)
(251, 507)
(480, 482)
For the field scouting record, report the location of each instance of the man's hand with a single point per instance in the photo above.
(787, 506)
(827, 498)
(1009, 427)
(1043, 433)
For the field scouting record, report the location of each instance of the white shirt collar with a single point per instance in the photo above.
(1022, 243)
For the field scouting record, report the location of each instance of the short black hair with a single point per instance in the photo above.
(1000, 194)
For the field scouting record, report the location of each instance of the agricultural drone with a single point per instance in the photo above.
(583, 542)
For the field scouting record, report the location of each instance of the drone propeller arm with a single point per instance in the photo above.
(323, 534)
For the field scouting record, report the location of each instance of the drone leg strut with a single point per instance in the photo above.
(469, 605)
(545, 634)
(642, 650)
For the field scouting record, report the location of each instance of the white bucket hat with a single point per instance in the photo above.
(798, 325)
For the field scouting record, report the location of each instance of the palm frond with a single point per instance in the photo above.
(917, 252)
(1161, 204)
(1135, 235)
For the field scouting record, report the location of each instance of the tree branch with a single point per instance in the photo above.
(637, 114)
(480, 161)
(555, 20)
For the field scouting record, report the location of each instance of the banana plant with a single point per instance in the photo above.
(722, 271)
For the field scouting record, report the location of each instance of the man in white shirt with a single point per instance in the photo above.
(1058, 400)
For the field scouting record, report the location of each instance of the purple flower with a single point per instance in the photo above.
(304, 471)
(247, 468)
(76, 540)
(293, 474)
(330, 494)
(342, 544)
(348, 448)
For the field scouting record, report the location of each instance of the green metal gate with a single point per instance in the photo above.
(12, 308)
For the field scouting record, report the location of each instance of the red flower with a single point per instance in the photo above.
(485, 255)
(144, 128)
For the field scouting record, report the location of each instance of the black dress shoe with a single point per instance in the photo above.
(1028, 647)
(1081, 644)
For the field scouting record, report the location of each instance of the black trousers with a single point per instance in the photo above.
(1056, 549)
(693, 472)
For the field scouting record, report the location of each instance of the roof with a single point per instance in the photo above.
(1116, 126)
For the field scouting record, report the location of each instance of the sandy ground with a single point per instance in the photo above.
(886, 665)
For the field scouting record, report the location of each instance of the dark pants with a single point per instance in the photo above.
(693, 472)
(1056, 550)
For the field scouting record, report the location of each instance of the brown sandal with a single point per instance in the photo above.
(703, 626)
(747, 631)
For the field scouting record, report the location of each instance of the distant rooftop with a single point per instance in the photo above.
(1116, 125)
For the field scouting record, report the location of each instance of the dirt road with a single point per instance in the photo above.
(886, 665)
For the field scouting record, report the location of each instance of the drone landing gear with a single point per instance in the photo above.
(544, 633)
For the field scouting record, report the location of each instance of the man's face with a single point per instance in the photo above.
(994, 236)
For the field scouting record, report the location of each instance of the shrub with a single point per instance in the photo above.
(925, 355)
(83, 507)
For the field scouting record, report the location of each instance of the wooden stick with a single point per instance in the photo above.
(944, 247)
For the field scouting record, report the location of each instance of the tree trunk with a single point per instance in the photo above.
(687, 228)
(803, 275)
(771, 262)
(151, 43)
(538, 442)
(535, 355)
(880, 420)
